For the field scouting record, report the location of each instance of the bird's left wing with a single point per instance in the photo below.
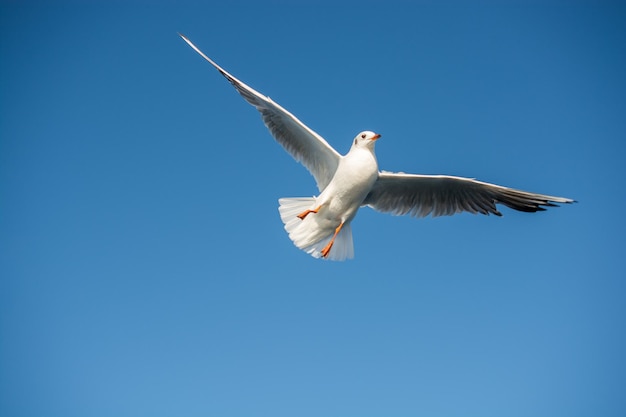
(302, 143)
(442, 195)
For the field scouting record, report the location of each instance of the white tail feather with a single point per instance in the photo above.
(314, 232)
(342, 249)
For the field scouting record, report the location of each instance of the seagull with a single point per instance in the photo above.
(320, 225)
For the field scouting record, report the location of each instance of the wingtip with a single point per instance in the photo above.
(186, 39)
(555, 203)
(195, 48)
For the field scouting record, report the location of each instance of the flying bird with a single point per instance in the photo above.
(321, 225)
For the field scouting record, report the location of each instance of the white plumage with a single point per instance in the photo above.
(321, 225)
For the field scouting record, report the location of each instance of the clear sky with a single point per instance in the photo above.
(144, 269)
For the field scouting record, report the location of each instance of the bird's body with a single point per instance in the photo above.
(356, 174)
(337, 204)
(321, 225)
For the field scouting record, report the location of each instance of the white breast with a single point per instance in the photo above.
(356, 174)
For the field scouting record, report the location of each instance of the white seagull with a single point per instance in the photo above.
(321, 225)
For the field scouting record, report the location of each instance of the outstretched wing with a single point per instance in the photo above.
(442, 195)
(302, 143)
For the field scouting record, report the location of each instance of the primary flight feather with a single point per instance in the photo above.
(321, 225)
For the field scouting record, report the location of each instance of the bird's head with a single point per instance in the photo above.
(365, 139)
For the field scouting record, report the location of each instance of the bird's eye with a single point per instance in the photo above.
(363, 136)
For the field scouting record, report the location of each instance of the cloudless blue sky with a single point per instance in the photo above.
(144, 269)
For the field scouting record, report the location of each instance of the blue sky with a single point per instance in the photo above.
(144, 267)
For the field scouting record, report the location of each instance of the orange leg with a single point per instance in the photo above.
(305, 213)
(326, 249)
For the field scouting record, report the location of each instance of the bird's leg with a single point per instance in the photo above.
(305, 213)
(326, 249)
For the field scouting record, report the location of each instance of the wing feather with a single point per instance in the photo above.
(302, 143)
(443, 195)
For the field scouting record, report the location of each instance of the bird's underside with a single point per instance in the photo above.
(321, 225)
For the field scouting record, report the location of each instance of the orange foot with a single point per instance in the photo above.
(327, 248)
(305, 213)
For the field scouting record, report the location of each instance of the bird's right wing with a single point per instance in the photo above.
(302, 143)
(444, 195)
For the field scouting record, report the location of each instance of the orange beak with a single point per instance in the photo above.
(376, 137)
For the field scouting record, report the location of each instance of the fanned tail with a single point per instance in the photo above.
(312, 234)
